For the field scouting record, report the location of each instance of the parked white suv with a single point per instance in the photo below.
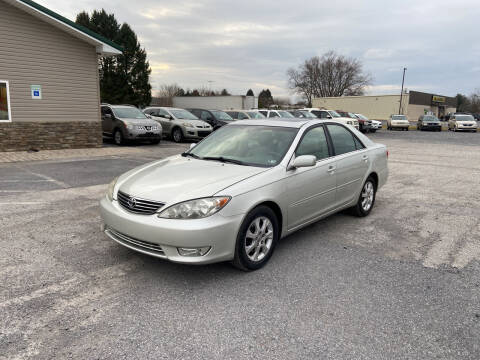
(398, 122)
(275, 113)
(462, 122)
(332, 114)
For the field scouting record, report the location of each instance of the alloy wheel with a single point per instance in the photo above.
(177, 135)
(368, 193)
(259, 238)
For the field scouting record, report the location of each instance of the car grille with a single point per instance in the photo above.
(203, 133)
(138, 205)
(135, 243)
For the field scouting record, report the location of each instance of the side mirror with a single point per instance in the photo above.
(192, 145)
(303, 161)
(107, 116)
(148, 116)
(168, 117)
(329, 116)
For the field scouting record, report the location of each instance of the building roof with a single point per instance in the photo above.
(103, 45)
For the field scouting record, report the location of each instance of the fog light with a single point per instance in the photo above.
(193, 251)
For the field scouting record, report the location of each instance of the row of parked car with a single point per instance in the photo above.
(124, 122)
(456, 122)
(127, 123)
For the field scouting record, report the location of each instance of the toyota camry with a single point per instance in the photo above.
(232, 196)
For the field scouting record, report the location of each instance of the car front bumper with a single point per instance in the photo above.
(434, 127)
(399, 125)
(196, 133)
(468, 128)
(161, 238)
(143, 135)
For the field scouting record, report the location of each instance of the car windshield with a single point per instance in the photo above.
(183, 115)
(263, 146)
(128, 113)
(464, 118)
(255, 115)
(399, 117)
(221, 115)
(334, 114)
(361, 117)
(285, 114)
(430, 118)
(352, 115)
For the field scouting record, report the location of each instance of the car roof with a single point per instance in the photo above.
(283, 122)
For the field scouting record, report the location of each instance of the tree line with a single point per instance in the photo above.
(469, 103)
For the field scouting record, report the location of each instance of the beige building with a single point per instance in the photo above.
(380, 107)
(49, 86)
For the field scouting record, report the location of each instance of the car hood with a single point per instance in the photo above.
(196, 123)
(178, 178)
(466, 122)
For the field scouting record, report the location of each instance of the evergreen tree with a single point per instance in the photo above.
(224, 93)
(265, 99)
(123, 79)
(250, 92)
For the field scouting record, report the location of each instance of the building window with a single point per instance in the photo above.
(5, 111)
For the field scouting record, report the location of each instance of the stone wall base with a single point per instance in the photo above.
(21, 136)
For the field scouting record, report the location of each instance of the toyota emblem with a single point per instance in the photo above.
(132, 203)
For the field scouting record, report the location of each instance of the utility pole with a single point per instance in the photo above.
(401, 93)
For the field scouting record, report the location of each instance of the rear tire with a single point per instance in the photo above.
(366, 200)
(256, 239)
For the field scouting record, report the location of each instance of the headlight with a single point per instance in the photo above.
(129, 126)
(195, 209)
(110, 188)
(349, 123)
(187, 124)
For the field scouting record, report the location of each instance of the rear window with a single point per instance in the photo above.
(399, 117)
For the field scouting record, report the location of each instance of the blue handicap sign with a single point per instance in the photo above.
(36, 93)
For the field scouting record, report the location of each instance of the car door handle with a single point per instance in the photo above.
(331, 169)
(365, 157)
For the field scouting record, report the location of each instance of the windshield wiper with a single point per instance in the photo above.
(185, 154)
(223, 159)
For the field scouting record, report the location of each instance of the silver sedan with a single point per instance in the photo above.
(232, 196)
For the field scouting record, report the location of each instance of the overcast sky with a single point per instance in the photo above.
(244, 44)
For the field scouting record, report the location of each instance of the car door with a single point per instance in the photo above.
(352, 163)
(160, 115)
(311, 190)
(107, 120)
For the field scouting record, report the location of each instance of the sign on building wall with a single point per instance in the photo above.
(36, 91)
(439, 99)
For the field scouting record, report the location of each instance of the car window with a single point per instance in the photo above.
(161, 112)
(242, 116)
(273, 114)
(342, 139)
(206, 115)
(314, 142)
(233, 114)
(264, 113)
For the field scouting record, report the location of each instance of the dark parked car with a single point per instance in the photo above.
(364, 125)
(216, 118)
(429, 122)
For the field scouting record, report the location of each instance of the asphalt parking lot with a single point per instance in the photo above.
(402, 283)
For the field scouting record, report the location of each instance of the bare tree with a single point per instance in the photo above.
(169, 90)
(329, 75)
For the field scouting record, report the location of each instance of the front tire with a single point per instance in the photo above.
(118, 137)
(366, 200)
(256, 239)
(177, 135)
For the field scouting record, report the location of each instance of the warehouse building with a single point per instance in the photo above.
(49, 84)
(380, 107)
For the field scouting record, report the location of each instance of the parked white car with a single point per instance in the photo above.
(462, 122)
(275, 113)
(232, 196)
(398, 122)
(332, 114)
(179, 124)
(374, 124)
(244, 114)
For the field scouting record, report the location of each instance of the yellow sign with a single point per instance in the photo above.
(438, 99)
